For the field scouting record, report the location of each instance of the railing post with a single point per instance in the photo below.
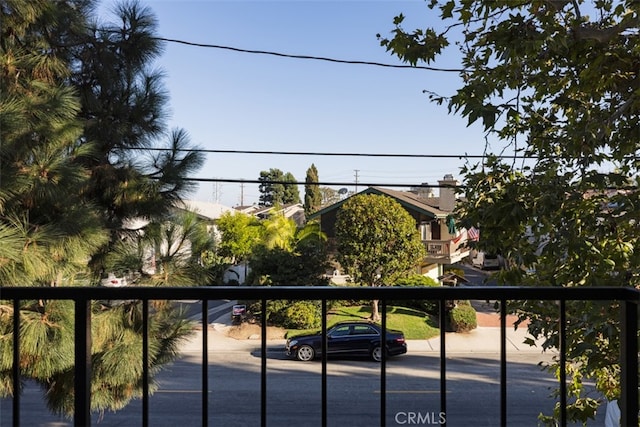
(82, 381)
(324, 363)
(562, 331)
(263, 365)
(383, 366)
(145, 362)
(205, 362)
(442, 312)
(629, 363)
(16, 362)
(503, 362)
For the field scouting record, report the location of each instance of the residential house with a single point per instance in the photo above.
(206, 211)
(445, 244)
(295, 211)
(210, 212)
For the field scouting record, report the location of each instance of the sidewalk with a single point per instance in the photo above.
(484, 339)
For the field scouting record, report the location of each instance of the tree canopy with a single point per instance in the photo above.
(80, 104)
(377, 241)
(289, 255)
(312, 194)
(277, 188)
(555, 85)
(240, 234)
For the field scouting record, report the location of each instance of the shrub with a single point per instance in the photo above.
(302, 315)
(418, 280)
(292, 314)
(462, 317)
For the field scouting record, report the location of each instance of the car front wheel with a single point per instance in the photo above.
(306, 353)
(376, 353)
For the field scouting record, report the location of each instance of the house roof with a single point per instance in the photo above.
(452, 278)
(257, 210)
(294, 211)
(206, 210)
(426, 206)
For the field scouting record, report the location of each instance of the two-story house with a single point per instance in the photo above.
(445, 244)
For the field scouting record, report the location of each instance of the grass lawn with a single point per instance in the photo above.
(415, 324)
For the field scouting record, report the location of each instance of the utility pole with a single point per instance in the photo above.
(217, 192)
(356, 171)
(242, 194)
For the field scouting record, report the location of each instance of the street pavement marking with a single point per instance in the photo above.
(412, 391)
(375, 391)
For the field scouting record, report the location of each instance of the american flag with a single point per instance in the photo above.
(474, 234)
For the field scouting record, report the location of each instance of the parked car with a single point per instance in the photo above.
(487, 261)
(347, 339)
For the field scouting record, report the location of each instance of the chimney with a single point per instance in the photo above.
(447, 193)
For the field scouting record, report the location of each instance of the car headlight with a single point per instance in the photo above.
(293, 343)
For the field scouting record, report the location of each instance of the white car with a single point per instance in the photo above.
(486, 261)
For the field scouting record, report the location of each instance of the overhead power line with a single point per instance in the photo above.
(345, 154)
(337, 184)
(363, 184)
(308, 57)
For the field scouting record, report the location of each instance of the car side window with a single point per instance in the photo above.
(363, 330)
(340, 331)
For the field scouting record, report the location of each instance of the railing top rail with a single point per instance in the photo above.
(323, 292)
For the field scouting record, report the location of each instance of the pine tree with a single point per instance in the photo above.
(277, 188)
(47, 232)
(312, 194)
(291, 193)
(75, 102)
(124, 113)
(271, 187)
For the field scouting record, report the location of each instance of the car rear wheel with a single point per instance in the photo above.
(376, 353)
(306, 353)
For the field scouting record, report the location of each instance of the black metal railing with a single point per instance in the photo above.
(627, 297)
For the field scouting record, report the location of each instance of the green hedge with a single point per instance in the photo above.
(462, 317)
(418, 280)
(289, 314)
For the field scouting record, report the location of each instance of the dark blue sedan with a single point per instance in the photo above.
(347, 339)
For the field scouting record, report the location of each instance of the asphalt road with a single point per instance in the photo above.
(294, 393)
(294, 390)
(477, 277)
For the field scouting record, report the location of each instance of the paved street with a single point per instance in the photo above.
(477, 277)
(294, 392)
(293, 388)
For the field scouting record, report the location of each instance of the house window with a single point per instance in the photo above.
(425, 233)
(435, 230)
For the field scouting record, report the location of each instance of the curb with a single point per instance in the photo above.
(483, 339)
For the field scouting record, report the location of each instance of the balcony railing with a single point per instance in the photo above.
(444, 247)
(627, 297)
(445, 251)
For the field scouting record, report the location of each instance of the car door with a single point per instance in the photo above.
(338, 339)
(362, 338)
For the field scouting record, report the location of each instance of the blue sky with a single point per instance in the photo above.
(238, 101)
